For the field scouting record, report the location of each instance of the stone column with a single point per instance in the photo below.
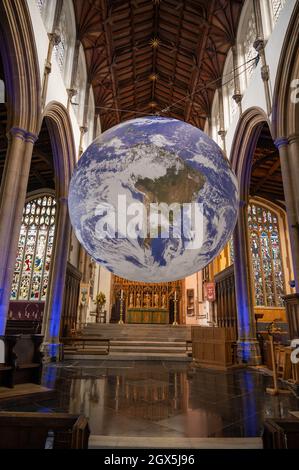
(51, 325)
(13, 195)
(248, 347)
(294, 166)
(288, 156)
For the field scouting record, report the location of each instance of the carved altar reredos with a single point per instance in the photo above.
(145, 295)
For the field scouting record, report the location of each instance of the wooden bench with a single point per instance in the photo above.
(281, 434)
(15, 327)
(23, 360)
(20, 430)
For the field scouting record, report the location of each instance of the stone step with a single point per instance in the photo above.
(149, 356)
(136, 350)
(130, 357)
(148, 343)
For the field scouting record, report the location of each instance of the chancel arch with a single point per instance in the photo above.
(36, 237)
(46, 215)
(64, 157)
(286, 129)
(21, 125)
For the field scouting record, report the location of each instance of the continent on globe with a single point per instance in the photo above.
(179, 184)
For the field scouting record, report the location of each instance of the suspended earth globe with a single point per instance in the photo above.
(153, 199)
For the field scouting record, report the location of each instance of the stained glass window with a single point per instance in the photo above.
(249, 50)
(277, 6)
(266, 256)
(32, 268)
(40, 4)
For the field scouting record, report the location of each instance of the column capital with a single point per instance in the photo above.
(281, 142)
(83, 130)
(54, 37)
(22, 134)
(63, 199)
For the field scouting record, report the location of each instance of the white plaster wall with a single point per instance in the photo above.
(56, 87)
(254, 95)
(104, 285)
(194, 282)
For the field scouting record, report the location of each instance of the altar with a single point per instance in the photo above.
(148, 315)
(145, 303)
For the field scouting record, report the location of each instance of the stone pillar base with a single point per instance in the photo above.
(53, 352)
(248, 352)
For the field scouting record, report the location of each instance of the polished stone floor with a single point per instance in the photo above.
(167, 399)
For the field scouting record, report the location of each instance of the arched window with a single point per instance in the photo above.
(32, 268)
(245, 39)
(229, 105)
(64, 51)
(216, 120)
(47, 11)
(276, 8)
(266, 255)
(90, 119)
(80, 86)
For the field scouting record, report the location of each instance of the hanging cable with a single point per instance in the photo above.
(189, 95)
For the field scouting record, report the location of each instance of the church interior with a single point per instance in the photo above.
(92, 359)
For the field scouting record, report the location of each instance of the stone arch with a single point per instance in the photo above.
(18, 51)
(63, 145)
(244, 143)
(64, 156)
(285, 116)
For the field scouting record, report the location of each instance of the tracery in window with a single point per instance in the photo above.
(59, 49)
(32, 268)
(277, 6)
(268, 276)
(80, 86)
(41, 4)
(248, 41)
(230, 106)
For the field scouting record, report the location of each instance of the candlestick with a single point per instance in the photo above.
(121, 311)
(175, 323)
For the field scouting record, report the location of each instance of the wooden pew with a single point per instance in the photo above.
(23, 360)
(30, 430)
(15, 327)
(281, 433)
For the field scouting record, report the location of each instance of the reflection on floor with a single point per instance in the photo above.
(160, 399)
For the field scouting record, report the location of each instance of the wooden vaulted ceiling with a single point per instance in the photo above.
(155, 56)
(266, 179)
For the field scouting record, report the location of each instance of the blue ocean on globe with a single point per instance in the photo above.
(153, 162)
